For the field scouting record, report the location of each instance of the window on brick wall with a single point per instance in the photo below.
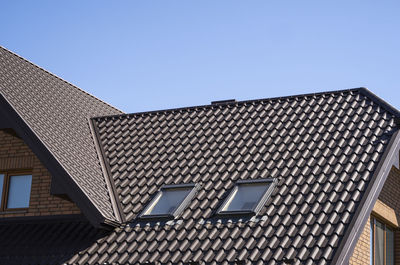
(15, 190)
(382, 243)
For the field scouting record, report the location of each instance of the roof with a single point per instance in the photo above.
(55, 115)
(329, 154)
(50, 241)
(325, 151)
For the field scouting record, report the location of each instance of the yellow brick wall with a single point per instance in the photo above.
(386, 208)
(16, 155)
(361, 255)
(390, 195)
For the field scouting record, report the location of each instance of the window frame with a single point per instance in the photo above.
(193, 191)
(256, 209)
(373, 220)
(6, 188)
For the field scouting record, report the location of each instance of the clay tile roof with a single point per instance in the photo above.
(329, 154)
(57, 113)
(323, 150)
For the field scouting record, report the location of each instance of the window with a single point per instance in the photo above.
(169, 201)
(247, 197)
(15, 190)
(382, 243)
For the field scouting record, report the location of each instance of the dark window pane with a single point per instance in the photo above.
(246, 197)
(389, 247)
(167, 201)
(19, 191)
(1, 185)
(379, 243)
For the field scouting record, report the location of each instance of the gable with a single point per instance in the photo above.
(51, 116)
(16, 158)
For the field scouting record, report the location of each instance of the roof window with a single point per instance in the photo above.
(247, 197)
(170, 201)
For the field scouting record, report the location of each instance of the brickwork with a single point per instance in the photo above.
(361, 255)
(387, 204)
(16, 155)
(390, 195)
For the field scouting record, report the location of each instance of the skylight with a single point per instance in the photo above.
(247, 197)
(169, 201)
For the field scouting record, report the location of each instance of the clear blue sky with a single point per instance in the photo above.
(148, 55)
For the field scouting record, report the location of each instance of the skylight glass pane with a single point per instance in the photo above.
(246, 197)
(19, 191)
(167, 201)
(1, 185)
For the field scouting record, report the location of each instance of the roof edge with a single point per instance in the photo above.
(366, 92)
(61, 79)
(354, 229)
(54, 166)
(43, 219)
(230, 103)
(115, 202)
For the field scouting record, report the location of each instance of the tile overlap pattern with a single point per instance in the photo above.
(57, 112)
(322, 149)
(45, 242)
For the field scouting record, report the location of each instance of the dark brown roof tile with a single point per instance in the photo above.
(315, 146)
(57, 113)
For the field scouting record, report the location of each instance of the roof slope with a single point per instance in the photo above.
(57, 113)
(45, 241)
(322, 148)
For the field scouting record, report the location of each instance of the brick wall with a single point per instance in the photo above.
(386, 208)
(361, 255)
(390, 195)
(16, 155)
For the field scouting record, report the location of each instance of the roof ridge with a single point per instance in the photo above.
(381, 102)
(230, 103)
(61, 79)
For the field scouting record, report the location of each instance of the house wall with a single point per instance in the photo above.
(16, 155)
(387, 208)
(361, 255)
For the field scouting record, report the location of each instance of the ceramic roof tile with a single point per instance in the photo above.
(320, 167)
(300, 142)
(57, 113)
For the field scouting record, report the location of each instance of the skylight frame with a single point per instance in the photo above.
(256, 209)
(194, 188)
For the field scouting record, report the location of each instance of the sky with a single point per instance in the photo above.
(151, 55)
